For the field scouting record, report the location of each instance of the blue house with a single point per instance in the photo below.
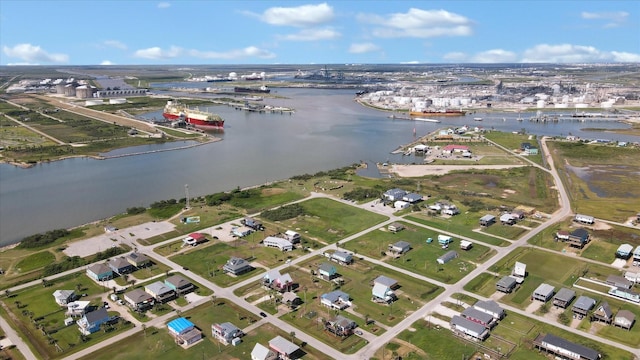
(327, 271)
(91, 322)
(100, 272)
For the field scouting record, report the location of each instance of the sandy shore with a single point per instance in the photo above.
(423, 170)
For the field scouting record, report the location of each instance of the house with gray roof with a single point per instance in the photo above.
(100, 272)
(412, 198)
(139, 299)
(564, 349)
(448, 256)
(336, 300)
(138, 260)
(237, 266)
(225, 332)
(179, 284)
(120, 265)
(603, 313)
(340, 326)
(624, 319)
(487, 220)
(394, 194)
(490, 307)
(342, 257)
(327, 271)
(467, 328)
(583, 305)
(624, 251)
(564, 297)
(285, 348)
(543, 293)
(261, 352)
(386, 281)
(478, 316)
(91, 321)
(160, 291)
(619, 281)
(400, 247)
(506, 284)
(63, 297)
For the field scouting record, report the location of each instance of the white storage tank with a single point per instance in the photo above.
(582, 106)
(540, 104)
(561, 106)
(93, 102)
(70, 90)
(117, 101)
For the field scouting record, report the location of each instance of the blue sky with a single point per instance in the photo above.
(130, 32)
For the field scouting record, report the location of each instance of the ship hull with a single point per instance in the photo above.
(251, 90)
(437, 113)
(201, 124)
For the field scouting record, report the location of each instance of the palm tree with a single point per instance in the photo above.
(7, 293)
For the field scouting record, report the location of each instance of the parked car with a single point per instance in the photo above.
(263, 314)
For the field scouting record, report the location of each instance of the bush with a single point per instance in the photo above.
(361, 194)
(135, 210)
(283, 213)
(38, 240)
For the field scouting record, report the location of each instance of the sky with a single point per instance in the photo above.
(174, 32)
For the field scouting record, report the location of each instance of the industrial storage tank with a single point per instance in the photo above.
(540, 104)
(84, 92)
(118, 101)
(93, 102)
(60, 89)
(70, 90)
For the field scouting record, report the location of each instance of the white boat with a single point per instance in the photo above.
(477, 119)
(427, 120)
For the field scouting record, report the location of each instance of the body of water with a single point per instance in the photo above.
(327, 130)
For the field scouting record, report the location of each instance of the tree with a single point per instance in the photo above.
(18, 304)
(7, 293)
(144, 329)
(114, 289)
(293, 335)
(45, 283)
(79, 287)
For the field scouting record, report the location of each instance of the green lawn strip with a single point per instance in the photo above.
(35, 261)
(265, 198)
(329, 220)
(469, 300)
(36, 305)
(600, 251)
(459, 227)
(593, 286)
(150, 271)
(421, 259)
(483, 284)
(432, 343)
(505, 231)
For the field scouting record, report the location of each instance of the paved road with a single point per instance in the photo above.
(17, 340)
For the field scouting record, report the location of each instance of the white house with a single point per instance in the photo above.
(276, 242)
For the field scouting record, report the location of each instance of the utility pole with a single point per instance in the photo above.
(186, 194)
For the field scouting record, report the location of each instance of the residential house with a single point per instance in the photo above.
(543, 293)
(241, 232)
(395, 227)
(382, 293)
(342, 257)
(194, 239)
(63, 297)
(100, 272)
(626, 294)
(91, 321)
(399, 205)
(291, 299)
(184, 331)
(284, 348)
(531, 151)
(399, 247)
(393, 195)
(564, 349)
(624, 319)
(452, 148)
(603, 313)
(225, 332)
(120, 265)
(578, 238)
(490, 307)
(507, 219)
(252, 223)
(336, 300)
(582, 306)
(466, 244)
(487, 220)
(448, 256)
(282, 283)
(506, 284)
(138, 260)
(585, 219)
(412, 198)
(562, 235)
(237, 266)
(624, 251)
(279, 243)
(564, 297)
(478, 316)
(160, 291)
(636, 252)
(139, 299)
(524, 146)
(340, 326)
(78, 308)
(619, 281)
(327, 271)
(519, 272)
(451, 211)
(386, 281)
(179, 284)
(633, 277)
(465, 327)
(261, 352)
(292, 236)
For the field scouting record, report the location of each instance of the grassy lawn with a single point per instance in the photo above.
(600, 251)
(460, 225)
(329, 221)
(265, 197)
(505, 231)
(207, 261)
(512, 142)
(35, 261)
(35, 306)
(483, 284)
(421, 259)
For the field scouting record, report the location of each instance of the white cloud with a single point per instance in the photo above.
(412, 62)
(312, 35)
(494, 56)
(419, 23)
(22, 64)
(300, 16)
(455, 57)
(34, 54)
(156, 53)
(163, 5)
(564, 53)
(363, 48)
(106, 62)
(250, 51)
(614, 19)
(625, 57)
(115, 44)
